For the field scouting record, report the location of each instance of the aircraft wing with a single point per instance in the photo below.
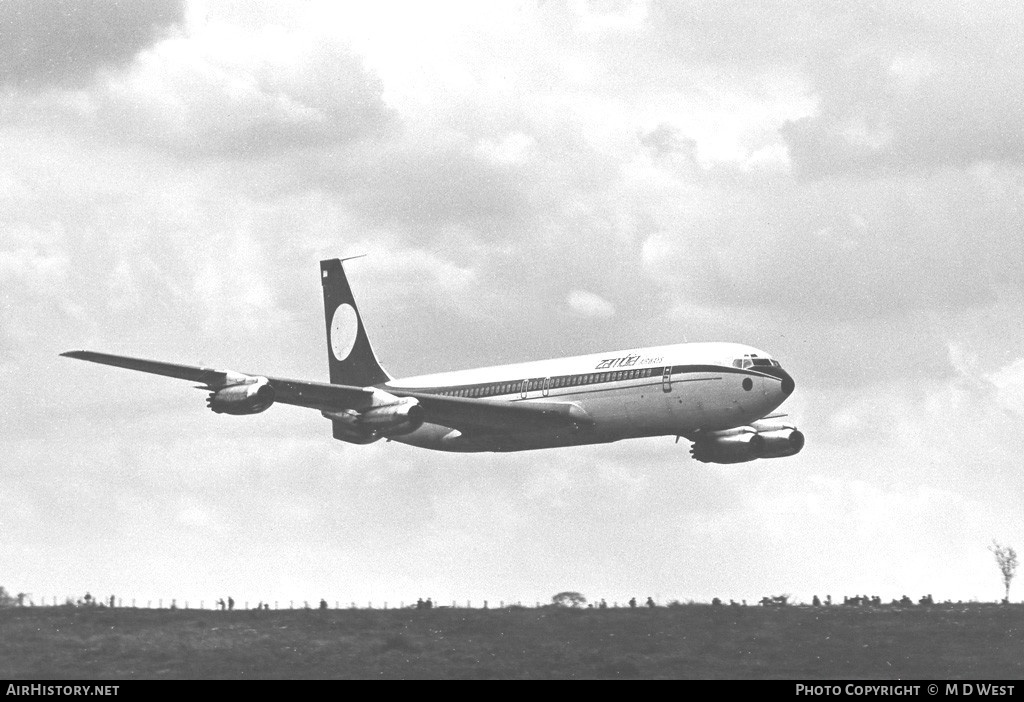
(322, 396)
(456, 412)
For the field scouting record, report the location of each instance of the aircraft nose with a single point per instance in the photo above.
(788, 384)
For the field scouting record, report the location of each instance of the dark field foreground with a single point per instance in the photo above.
(696, 641)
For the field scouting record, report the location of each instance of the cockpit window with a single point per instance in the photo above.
(753, 360)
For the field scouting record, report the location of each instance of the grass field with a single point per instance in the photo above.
(695, 641)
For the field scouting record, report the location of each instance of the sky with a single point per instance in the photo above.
(840, 184)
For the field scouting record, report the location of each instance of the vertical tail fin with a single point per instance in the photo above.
(351, 359)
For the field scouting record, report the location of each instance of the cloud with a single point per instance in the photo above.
(1009, 385)
(273, 93)
(918, 86)
(56, 43)
(529, 182)
(921, 87)
(588, 304)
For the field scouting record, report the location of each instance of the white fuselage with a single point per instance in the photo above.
(678, 390)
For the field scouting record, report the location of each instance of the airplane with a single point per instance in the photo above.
(719, 396)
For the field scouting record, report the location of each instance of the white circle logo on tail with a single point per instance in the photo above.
(344, 328)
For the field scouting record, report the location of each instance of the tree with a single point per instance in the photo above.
(568, 599)
(1006, 558)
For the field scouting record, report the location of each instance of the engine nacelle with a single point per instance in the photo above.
(252, 396)
(778, 443)
(741, 444)
(731, 448)
(401, 416)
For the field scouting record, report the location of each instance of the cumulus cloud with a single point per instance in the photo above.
(56, 43)
(588, 304)
(272, 93)
(1009, 384)
(528, 182)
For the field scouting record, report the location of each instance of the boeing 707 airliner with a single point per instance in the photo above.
(719, 396)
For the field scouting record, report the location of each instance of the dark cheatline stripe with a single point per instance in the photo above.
(655, 377)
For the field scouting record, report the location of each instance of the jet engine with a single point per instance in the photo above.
(731, 446)
(402, 416)
(777, 443)
(252, 396)
(759, 440)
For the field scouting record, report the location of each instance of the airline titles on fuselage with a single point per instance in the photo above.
(627, 361)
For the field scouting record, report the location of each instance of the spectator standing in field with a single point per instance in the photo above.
(632, 603)
(231, 603)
